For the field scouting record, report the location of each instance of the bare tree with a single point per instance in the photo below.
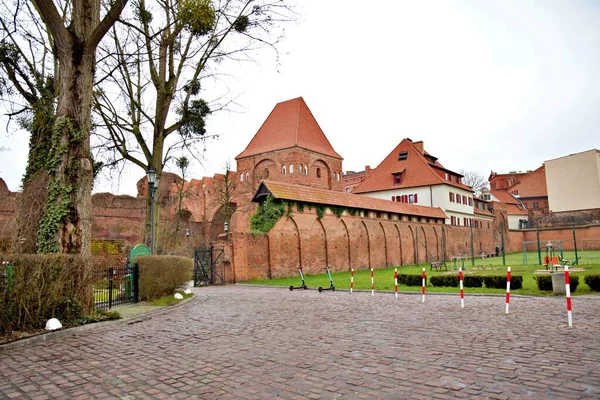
(225, 194)
(474, 179)
(75, 32)
(28, 94)
(158, 58)
(182, 163)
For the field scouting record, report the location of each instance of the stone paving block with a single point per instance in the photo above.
(210, 349)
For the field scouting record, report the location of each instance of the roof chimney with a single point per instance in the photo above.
(419, 146)
(367, 168)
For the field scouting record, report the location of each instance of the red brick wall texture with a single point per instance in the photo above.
(347, 242)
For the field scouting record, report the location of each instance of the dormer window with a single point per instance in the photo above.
(403, 155)
(397, 178)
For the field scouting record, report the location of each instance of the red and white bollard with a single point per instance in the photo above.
(568, 292)
(372, 284)
(507, 290)
(351, 280)
(423, 285)
(462, 291)
(396, 282)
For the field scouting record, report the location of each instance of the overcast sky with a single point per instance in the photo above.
(487, 85)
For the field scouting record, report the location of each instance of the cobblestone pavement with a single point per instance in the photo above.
(240, 342)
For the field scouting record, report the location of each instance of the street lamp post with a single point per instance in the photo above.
(151, 190)
(187, 235)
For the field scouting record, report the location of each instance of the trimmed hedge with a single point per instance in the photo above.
(444, 280)
(544, 282)
(473, 281)
(44, 286)
(593, 281)
(411, 280)
(161, 275)
(499, 282)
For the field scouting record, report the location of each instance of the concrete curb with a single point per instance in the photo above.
(62, 333)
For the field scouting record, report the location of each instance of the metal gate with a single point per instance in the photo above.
(208, 270)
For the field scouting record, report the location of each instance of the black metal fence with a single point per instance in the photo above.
(208, 270)
(116, 286)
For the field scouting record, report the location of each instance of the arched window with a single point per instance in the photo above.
(266, 172)
(339, 176)
(242, 177)
(318, 172)
(247, 176)
(291, 168)
(306, 170)
(283, 170)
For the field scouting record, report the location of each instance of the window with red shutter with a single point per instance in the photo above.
(416, 199)
(393, 198)
(450, 196)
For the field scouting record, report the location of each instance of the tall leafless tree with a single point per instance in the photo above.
(150, 103)
(75, 32)
(474, 179)
(28, 95)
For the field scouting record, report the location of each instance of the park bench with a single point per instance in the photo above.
(437, 265)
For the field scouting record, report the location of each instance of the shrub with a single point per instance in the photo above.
(444, 280)
(410, 280)
(161, 275)
(574, 279)
(544, 282)
(499, 282)
(593, 281)
(473, 281)
(44, 286)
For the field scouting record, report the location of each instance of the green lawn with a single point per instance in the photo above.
(384, 278)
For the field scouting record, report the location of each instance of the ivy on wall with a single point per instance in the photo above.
(266, 216)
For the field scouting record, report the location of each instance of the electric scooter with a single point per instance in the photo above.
(331, 287)
(303, 286)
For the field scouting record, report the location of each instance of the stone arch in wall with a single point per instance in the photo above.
(315, 249)
(338, 245)
(399, 244)
(414, 245)
(324, 180)
(265, 169)
(359, 250)
(423, 249)
(378, 246)
(285, 250)
(435, 251)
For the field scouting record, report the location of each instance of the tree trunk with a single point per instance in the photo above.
(32, 200)
(66, 226)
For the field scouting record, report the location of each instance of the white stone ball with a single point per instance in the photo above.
(178, 296)
(187, 291)
(53, 324)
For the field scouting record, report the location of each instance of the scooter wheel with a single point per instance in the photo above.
(320, 289)
(291, 288)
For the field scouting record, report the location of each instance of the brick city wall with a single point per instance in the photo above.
(347, 242)
(589, 233)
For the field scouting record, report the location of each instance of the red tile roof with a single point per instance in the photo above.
(504, 196)
(292, 192)
(483, 212)
(420, 169)
(290, 124)
(513, 209)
